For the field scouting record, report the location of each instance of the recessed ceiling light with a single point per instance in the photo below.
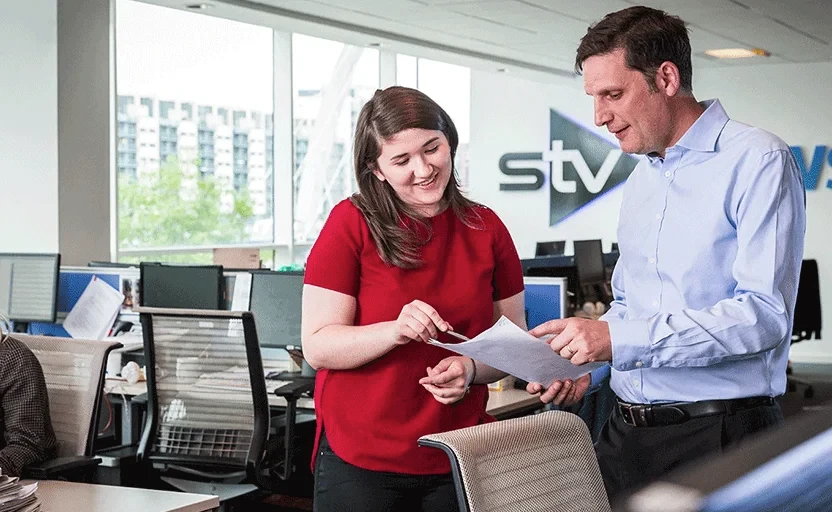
(198, 7)
(375, 45)
(502, 70)
(737, 53)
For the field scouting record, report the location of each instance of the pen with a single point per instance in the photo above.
(458, 336)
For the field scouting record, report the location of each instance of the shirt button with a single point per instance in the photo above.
(655, 303)
(636, 382)
(658, 216)
(639, 364)
(667, 174)
(652, 260)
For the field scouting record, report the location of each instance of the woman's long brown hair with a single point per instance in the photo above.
(394, 225)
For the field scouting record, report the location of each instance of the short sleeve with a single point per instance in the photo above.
(508, 272)
(334, 261)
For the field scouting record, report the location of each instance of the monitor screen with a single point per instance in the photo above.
(589, 258)
(29, 286)
(276, 305)
(545, 299)
(550, 248)
(183, 287)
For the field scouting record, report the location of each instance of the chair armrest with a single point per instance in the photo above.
(294, 389)
(60, 466)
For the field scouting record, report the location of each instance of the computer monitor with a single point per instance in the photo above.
(110, 264)
(589, 258)
(276, 305)
(545, 299)
(29, 287)
(181, 286)
(575, 294)
(555, 248)
(784, 470)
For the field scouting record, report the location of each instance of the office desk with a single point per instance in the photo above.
(57, 496)
(500, 403)
(511, 402)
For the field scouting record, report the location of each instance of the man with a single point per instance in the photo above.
(711, 234)
(27, 431)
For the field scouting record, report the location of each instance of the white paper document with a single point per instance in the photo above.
(509, 348)
(93, 315)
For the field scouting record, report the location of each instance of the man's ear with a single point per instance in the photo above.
(668, 80)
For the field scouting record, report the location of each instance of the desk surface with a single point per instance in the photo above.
(58, 496)
(500, 403)
(509, 401)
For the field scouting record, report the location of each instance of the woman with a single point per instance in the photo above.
(402, 261)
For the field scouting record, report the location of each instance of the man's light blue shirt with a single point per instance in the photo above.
(711, 242)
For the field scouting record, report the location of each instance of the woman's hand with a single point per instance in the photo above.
(448, 381)
(418, 321)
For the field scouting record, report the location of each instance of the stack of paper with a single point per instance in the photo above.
(17, 498)
(509, 348)
(93, 315)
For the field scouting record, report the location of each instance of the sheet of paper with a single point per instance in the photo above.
(94, 313)
(242, 292)
(509, 348)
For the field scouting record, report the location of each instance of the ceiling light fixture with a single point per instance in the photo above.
(737, 53)
(198, 7)
(375, 45)
(502, 70)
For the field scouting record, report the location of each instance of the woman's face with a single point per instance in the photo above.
(417, 164)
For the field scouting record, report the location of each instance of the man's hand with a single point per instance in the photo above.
(448, 381)
(578, 339)
(562, 393)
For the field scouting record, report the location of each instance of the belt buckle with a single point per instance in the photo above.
(635, 415)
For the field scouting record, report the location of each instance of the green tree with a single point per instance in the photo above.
(153, 213)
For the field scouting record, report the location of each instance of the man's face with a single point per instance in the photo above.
(638, 117)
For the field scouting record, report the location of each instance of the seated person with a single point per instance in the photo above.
(25, 423)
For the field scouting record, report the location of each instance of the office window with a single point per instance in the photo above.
(407, 71)
(331, 82)
(182, 187)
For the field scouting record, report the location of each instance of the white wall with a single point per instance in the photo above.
(29, 126)
(794, 102)
(511, 115)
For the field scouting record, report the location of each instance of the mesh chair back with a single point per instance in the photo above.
(74, 373)
(206, 390)
(544, 462)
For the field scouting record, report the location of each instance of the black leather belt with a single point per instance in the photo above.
(647, 415)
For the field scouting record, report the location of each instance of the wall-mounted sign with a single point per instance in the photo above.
(582, 167)
(811, 174)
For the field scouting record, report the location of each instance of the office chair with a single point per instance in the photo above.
(807, 318)
(555, 248)
(74, 372)
(541, 463)
(208, 423)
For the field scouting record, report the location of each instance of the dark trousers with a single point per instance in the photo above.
(631, 457)
(341, 486)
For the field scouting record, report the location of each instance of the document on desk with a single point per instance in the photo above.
(509, 348)
(93, 315)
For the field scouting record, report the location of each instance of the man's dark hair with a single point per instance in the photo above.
(648, 36)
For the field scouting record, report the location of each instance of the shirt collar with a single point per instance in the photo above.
(704, 132)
